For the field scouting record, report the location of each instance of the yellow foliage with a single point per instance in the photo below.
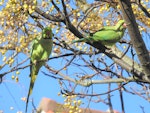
(17, 72)
(17, 79)
(72, 104)
(13, 77)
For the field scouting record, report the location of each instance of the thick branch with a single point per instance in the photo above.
(49, 17)
(87, 82)
(125, 58)
(136, 38)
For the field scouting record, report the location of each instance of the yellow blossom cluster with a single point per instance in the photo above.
(72, 104)
(140, 15)
(13, 17)
(93, 22)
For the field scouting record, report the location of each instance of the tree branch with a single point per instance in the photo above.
(7, 48)
(136, 38)
(49, 17)
(87, 82)
(125, 58)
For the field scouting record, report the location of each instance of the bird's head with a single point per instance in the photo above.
(47, 33)
(122, 25)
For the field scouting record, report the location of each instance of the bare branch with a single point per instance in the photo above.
(7, 48)
(49, 17)
(57, 8)
(67, 64)
(85, 94)
(121, 99)
(67, 20)
(87, 82)
(109, 99)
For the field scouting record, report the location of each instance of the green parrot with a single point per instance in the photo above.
(107, 35)
(41, 50)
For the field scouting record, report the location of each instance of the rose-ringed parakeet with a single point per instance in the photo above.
(41, 50)
(107, 35)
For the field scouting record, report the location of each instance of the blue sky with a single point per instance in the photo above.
(48, 87)
(12, 92)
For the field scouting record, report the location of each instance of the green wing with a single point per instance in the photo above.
(107, 37)
(41, 50)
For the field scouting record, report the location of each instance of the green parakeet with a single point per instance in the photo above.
(107, 35)
(41, 49)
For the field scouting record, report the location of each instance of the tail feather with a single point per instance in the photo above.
(27, 102)
(33, 78)
(83, 40)
(80, 40)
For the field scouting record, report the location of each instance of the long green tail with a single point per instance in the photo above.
(28, 98)
(82, 40)
(33, 78)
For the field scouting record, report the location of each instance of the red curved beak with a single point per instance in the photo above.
(125, 25)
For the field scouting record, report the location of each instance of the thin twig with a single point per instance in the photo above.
(83, 94)
(121, 99)
(109, 99)
(67, 20)
(67, 64)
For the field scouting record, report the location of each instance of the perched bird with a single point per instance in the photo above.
(107, 35)
(41, 50)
